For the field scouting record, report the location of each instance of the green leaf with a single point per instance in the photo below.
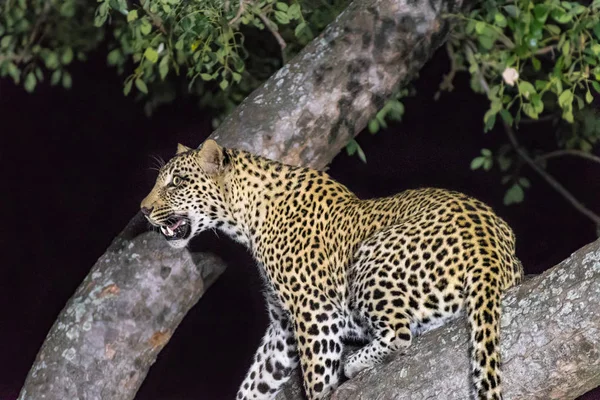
(14, 72)
(568, 116)
(524, 182)
(361, 154)
(541, 12)
(566, 48)
(282, 17)
(511, 10)
(151, 55)
(526, 89)
(488, 163)
(480, 27)
(500, 20)
(55, 78)
(486, 152)
(373, 126)
(114, 57)
(486, 42)
(294, 11)
(67, 81)
(477, 162)
(514, 195)
(504, 163)
(596, 49)
(146, 27)
(132, 15)
(490, 122)
(507, 117)
(67, 56)
(537, 65)
(224, 84)
(206, 77)
(560, 16)
(565, 99)
(538, 105)
(236, 77)
(68, 9)
(540, 85)
(5, 41)
(127, 87)
(163, 67)
(51, 60)
(596, 86)
(597, 30)
(529, 110)
(30, 82)
(281, 6)
(141, 85)
(588, 97)
(299, 29)
(553, 29)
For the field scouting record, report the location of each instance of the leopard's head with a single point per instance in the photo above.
(188, 196)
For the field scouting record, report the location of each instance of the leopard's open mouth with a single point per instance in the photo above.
(176, 227)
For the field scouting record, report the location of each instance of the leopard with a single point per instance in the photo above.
(337, 268)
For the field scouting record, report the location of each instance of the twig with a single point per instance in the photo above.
(446, 84)
(547, 177)
(544, 50)
(240, 11)
(280, 40)
(156, 21)
(575, 153)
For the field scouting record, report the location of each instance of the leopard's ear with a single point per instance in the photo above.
(181, 149)
(210, 157)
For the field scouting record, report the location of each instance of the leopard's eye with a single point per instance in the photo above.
(176, 180)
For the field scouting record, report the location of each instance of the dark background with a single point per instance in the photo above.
(75, 165)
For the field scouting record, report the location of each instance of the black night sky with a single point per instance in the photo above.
(75, 165)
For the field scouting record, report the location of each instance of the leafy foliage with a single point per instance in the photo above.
(41, 38)
(532, 59)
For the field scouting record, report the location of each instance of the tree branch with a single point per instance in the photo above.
(549, 178)
(550, 345)
(568, 152)
(273, 31)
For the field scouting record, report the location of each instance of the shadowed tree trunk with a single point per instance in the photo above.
(111, 330)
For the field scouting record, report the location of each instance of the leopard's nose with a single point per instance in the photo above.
(146, 211)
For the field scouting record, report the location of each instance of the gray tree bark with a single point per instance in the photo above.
(121, 316)
(550, 345)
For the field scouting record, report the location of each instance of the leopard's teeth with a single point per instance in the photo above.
(167, 231)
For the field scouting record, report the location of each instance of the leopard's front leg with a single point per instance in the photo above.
(319, 326)
(274, 360)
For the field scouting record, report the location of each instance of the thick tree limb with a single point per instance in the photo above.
(303, 115)
(550, 345)
(121, 316)
(309, 110)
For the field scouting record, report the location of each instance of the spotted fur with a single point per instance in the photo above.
(339, 267)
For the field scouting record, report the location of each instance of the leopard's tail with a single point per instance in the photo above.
(482, 303)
